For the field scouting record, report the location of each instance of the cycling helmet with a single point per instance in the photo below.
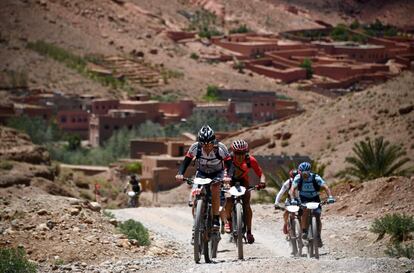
(293, 173)
(304, 167)
(206, 134)
(240, 145)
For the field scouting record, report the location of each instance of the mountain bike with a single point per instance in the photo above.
(206, 239)
(311, 241)
(294, 235)
(133, 199)
(238, 216)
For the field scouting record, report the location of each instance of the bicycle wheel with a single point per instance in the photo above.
(309, 241)
(239, 216)
(206, 236)
(298, 233)
(315, 236)
(293, 236)
(198, 238)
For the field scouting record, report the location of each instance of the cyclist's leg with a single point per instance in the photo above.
(285, 221)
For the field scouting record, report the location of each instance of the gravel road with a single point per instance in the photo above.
(270, 252)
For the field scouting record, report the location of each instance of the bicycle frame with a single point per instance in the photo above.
(205, 239)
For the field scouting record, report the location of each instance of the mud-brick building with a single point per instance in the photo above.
(74, 121)
(102, 106)
(151, 108)
(102, 127)
(158, 172)
(168, 146)
(225, 109)
(31, 110)
(258, 106)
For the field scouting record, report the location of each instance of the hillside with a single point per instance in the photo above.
(328, 133)
(119, 28)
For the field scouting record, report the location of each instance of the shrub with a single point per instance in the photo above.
(15, 261)
(135, 230)
(355, 24)
(400, 250)
(307, 65)
(375, 159)
(397, 225)
(285, 143)
(6, 165)
(241, 29)
(211, 93)
(108, 214)
(194, 56)
(133, 167)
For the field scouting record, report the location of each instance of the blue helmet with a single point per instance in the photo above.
(304, 167)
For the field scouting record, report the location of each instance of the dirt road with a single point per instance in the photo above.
(348, 245)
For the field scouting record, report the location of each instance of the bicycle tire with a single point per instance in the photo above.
(298, 233)
(315, 236)
(239, 216)
(198, 238)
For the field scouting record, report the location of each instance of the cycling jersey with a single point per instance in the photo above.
(240, 171)
(206, 163)
(308, 190)
(285, 188)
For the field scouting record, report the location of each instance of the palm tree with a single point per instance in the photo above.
(375, 159)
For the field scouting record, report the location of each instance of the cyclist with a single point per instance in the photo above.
(285, 189)
(135, 186)
(306, 186)
(213, 160)
(239, 171)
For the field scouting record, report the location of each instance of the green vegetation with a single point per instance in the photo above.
(341, 33)
(70, 151)
(239, 66)
(307, 65)
(135, 230)
(205, 23)
(378, 29)
(194, 56)
(167, 97)
(78, 64)
(400, 250)
(399, 226)
(211, 93)
(133, 167)
(108, 214)
(355, 24)
(39, 130)
(241, 29)
(14, 261)
(374, 159)
(6, 165)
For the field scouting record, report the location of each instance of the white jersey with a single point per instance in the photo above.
(209, 163)
(285, 188)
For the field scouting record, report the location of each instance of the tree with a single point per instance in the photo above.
(307, 65)
(374, 159)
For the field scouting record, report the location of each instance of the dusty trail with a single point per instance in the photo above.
(270, 252)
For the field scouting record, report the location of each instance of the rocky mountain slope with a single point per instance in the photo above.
(327, 133)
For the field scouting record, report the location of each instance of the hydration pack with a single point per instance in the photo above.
(314, 182)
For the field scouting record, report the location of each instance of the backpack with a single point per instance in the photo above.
(314, 182)
(215, 148)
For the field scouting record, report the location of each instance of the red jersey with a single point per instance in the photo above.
(242, 170)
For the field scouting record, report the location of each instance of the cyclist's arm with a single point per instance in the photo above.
(184, 165)
(282, 191)
(294, 193)
(323, 185)
(256, 168)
